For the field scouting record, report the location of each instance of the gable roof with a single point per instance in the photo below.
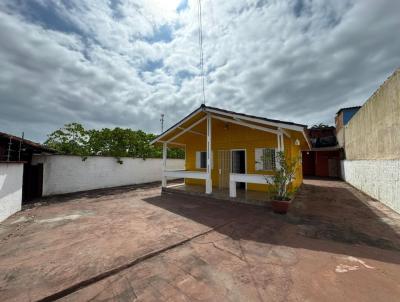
(222, 111)
(253, 118)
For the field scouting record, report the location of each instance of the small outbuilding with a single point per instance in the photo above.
(13, 150)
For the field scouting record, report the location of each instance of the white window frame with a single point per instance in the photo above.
(257, 162)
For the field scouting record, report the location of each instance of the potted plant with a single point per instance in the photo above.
(280, 183)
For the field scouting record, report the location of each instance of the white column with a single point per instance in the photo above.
(164, 166)
(281, 144)
(209, 180)
(232, 188)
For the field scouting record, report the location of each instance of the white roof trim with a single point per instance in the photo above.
(235, 116)
(244, 124)
(177, 125)
(256, 120)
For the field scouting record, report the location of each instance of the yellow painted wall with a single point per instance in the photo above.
(231, 136)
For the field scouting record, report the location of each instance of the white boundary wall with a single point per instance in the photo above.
(10, 188)
(66, 174)
(379, 179)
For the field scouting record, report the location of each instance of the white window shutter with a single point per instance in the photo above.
(258, 159)
(277, 163)
(198, 159)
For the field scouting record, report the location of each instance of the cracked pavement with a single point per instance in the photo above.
(336, 244)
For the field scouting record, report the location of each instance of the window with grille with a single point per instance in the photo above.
(265, 159)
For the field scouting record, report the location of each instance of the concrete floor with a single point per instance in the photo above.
(134, 244)
(242, 195)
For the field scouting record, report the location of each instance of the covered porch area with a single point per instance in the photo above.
(258, 198)
(229, 154)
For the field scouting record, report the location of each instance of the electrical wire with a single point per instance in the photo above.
(201, 51)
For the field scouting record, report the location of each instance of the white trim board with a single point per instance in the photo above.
(256, 120)
(241, 123)
(201, 109)
(236, 118)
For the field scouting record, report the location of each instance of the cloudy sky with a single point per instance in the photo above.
(122, 63)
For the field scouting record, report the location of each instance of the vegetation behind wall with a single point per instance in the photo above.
(74, 139)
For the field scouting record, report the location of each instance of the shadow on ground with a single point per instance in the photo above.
(329, 211)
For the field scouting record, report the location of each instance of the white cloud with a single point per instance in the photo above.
(122, 63)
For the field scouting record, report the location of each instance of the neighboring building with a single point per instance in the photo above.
(323, 160)
(343, 116)
(322, 136)
(225, 149)
(19, 180)
(15, 149)
(372, 145)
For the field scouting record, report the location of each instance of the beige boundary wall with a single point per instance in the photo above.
(372, 145)
(374, 131)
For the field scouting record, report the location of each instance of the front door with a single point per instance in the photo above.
(239, 164)
(224, 168)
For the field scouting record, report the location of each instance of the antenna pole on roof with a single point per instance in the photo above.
(201, 52)
(162, 122)
(20, 146)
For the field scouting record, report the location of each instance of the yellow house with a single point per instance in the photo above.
(226, 149)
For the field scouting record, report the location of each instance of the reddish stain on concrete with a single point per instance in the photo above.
(336, 244)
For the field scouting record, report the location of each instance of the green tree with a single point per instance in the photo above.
(74, 139)
(320, 126)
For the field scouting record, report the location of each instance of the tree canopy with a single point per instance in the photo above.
(320, 126)
(74, 139)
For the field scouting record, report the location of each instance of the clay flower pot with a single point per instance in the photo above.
(280, 206)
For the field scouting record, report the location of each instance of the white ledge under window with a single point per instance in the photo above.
(185, 174)
(247, 178)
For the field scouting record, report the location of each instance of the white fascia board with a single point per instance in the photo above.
(191, 131)
(187, 129)
(157, 139)
(286, 133)
(305, 137)
(256, 120)
(172, 143)
(242, 123)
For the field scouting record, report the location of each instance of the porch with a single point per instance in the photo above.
(223, 149)
(242, 195)
(232, 192)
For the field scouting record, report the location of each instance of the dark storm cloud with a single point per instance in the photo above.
(122, 63)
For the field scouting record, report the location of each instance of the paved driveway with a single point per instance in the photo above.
(129, 244)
